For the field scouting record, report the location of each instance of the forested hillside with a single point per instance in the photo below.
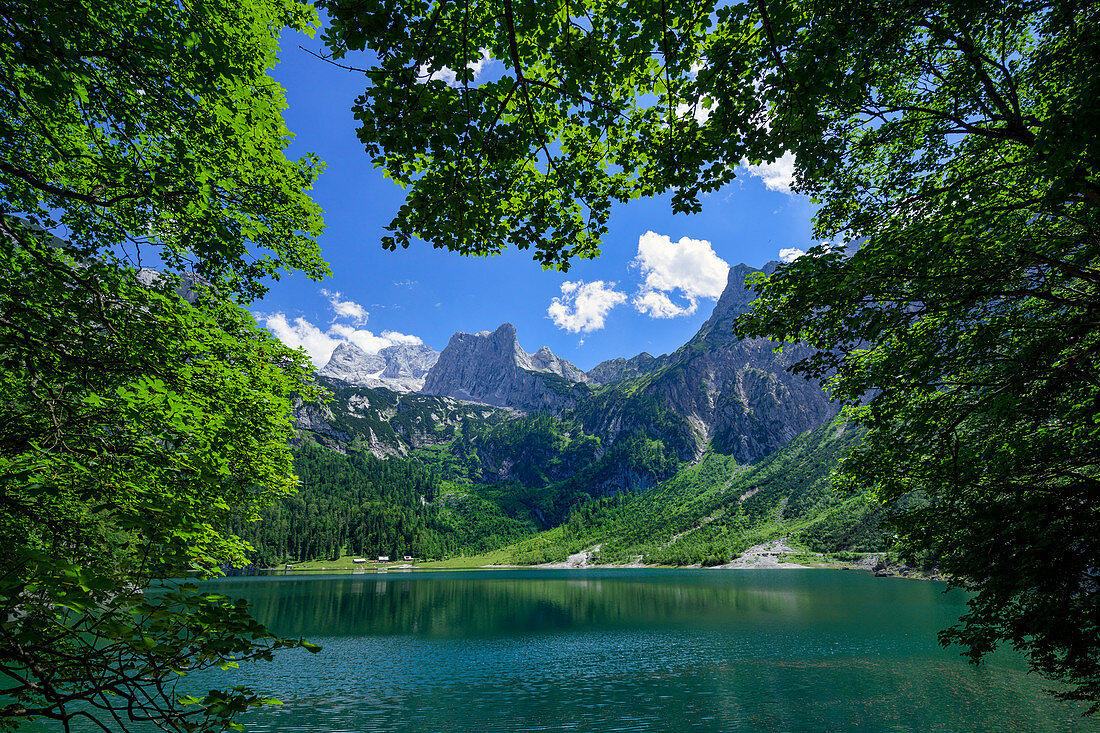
(710, 512)
(547, 466)
(358, 504)
(437, 503)
(686, 458)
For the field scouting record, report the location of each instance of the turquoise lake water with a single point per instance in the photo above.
(632, 650)
(602, 651)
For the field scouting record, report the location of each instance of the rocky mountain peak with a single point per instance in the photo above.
(738, 396)
(544, 360)
(351, 364)
(400, 367)
(504, 332)
(735, 300)
(491, 367)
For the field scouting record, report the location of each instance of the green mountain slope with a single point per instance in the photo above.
(685, 458)
(354, 503)
(434, 505)
(712, 511)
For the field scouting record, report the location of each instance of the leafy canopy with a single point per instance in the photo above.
(597, 104)
(962, 328)
(135, 427)
(153, 126)
(143, 412)
(956, 143)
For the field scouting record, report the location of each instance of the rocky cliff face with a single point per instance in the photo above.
(401, 367)
(736, 395)
(408, 361)
(493, 369)
(351, 364)
(618, 369)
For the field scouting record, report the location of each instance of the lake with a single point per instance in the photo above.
(630, 650)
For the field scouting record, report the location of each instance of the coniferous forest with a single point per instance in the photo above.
(358, 504)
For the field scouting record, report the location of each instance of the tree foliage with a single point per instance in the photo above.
(963, 330)
(597, 105)
(152, 126)
(142, 411)
(135, 426)
(358, 504)
(956, 142)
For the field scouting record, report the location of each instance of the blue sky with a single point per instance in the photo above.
(638, 296)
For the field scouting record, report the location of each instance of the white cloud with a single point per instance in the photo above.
(320, 344)
(659, 305)
(689, 266)
(449, 76)
(848, 248)
(583, 306)
(346, 308)
(300, 333)
(777, 175)
(367, 340)
(402, 338)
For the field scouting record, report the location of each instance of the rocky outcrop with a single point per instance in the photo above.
(318, 420)
(616, 370)
(351, 364)
(408, 361)
(401, 367)
(493, 369)
(544, 360)
(739, 395)
(384, 421)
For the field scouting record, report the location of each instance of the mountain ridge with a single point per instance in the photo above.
(490, 367)
(400, 367)
(687, 457)
(646, 415)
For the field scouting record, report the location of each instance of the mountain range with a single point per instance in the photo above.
(401, 367)
(716, 391)
(682, 458)
(493, 369)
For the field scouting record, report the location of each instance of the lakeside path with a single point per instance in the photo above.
(765, 556)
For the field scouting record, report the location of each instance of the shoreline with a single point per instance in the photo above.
(443, 568)
(772, 555)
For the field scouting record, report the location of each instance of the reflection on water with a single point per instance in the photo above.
(629, 650)
(443, 605)
(623, 650)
